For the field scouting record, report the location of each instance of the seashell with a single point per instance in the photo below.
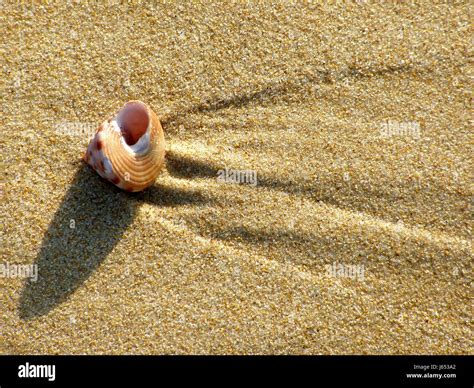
(128, 149)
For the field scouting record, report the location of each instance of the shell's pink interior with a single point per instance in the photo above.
(133, 121)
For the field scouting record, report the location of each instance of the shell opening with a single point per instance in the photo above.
(133, 121)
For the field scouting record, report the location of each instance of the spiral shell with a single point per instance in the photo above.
(128, 149)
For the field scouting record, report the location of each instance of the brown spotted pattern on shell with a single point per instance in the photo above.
(128, 149)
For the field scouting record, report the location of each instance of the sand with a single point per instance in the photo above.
(356, 238)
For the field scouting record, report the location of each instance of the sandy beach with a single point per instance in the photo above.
(350, 234)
